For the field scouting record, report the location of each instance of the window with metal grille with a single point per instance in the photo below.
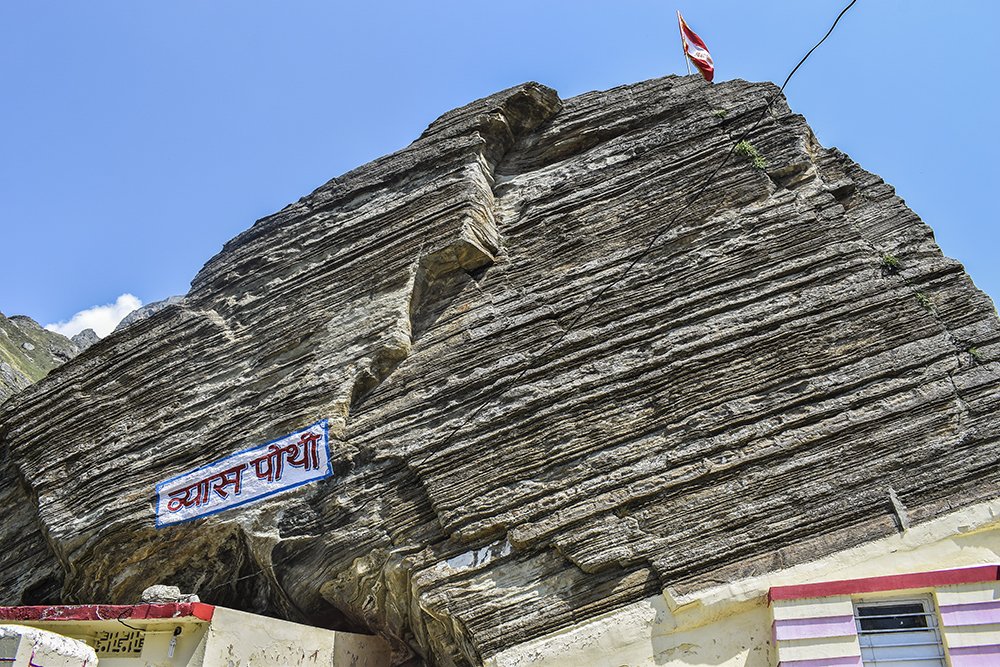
(899, 633)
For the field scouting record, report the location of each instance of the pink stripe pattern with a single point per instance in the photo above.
(974, 613)
(975, 656)
(814, 628)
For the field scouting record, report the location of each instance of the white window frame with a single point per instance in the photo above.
(930, 613)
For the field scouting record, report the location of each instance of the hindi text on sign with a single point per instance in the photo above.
(248, 475)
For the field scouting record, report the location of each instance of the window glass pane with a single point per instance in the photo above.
(892, 617)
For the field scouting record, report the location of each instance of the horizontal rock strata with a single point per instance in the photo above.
(524, 436)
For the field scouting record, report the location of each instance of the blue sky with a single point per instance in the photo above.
(140, 136)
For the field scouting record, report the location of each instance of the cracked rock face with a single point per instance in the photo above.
(792, 370)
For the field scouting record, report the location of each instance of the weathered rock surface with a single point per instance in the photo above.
(28, 352)
(794, 353)
(85, 339)
(159, 593)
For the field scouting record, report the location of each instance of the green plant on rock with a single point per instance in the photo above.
(747, 150)
(720, 113)
(925, 301)
(975, 353)
(891, 264)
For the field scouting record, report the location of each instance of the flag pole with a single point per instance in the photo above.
(680, 29)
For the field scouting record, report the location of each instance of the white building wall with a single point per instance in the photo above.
(230, 639)
(238, 639)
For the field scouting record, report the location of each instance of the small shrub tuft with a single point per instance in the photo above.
(747, 150)
(720, 113)
(891, 264)
(925, 301)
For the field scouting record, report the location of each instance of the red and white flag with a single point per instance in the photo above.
(695, 49)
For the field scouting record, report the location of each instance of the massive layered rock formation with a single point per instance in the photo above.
(792, 370)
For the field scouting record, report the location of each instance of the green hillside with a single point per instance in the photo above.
(28, 352)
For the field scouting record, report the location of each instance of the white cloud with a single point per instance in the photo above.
(102, 319)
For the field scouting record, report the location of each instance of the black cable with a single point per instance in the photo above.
(828, 33)
(642, 253)
(126, 612)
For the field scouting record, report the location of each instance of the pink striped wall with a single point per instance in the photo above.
(972, 613)
(814, 628)
(832, 635)
(961, 623)
(975, 656)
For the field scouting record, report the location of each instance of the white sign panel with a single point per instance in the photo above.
(246, 476)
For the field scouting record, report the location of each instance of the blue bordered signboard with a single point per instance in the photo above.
(246, 476)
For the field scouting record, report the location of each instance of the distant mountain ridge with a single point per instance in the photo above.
(28, 352)
(149, 309)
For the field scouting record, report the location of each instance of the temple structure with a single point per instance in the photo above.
(178, 635)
